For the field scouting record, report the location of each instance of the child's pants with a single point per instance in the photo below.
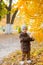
(26, 55)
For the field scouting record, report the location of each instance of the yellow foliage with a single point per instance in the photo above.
(38, 36)
(31, 9)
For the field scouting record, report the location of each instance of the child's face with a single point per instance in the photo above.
(25, 30)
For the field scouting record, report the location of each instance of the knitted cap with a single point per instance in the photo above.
(23, 27)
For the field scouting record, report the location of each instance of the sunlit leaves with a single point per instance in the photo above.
(30, 12)
(33, 16)
(3, 10)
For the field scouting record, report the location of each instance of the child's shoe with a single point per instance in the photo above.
(29, 61)
(21, 62)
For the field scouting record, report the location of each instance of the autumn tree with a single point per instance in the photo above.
(31, 13)
(8, 8)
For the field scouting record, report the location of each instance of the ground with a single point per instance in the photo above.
(11, 52)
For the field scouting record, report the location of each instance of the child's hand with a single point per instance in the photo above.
(31, 35)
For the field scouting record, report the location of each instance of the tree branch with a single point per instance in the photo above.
(6, 7)
(10, 4)
(13, 17)
(9, 7)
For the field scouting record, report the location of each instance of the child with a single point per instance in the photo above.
(25, 40)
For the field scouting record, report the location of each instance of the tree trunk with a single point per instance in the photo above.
(13, 17)
(8, 25)
(12, 20)
(9, 20)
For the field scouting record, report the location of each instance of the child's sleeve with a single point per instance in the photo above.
(31, 39)
(21, 38)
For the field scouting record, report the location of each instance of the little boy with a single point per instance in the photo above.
(25, 40)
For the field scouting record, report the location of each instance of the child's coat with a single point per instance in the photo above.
(25, 40)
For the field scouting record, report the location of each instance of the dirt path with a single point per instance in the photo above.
(8, 44)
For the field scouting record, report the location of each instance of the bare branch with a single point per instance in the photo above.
(13, 17)
(10, 4)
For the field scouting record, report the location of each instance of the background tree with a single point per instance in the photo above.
(9, 20)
